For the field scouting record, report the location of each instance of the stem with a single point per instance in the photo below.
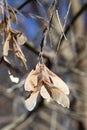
(41, 57)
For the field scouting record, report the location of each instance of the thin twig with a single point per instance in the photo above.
(84, 8)
(48, 24)
(67, 14)
(63, 28)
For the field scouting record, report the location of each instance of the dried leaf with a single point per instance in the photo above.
(30, 103)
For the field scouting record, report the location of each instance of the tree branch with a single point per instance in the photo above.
(84, 8)
(25, 3)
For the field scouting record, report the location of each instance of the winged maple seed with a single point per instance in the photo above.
(49, 85)
(11, 41)
(12, 44)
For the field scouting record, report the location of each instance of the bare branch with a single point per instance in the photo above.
(84, 8)
(63, 28)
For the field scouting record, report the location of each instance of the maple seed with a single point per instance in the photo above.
(44, 82)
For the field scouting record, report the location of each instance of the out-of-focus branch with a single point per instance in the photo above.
(11, 66)
(84, 8)
(77, 71)
(14, 123)
(27, 45)
(72, 114)
(78, 26)
(25, 3)
(23, 118)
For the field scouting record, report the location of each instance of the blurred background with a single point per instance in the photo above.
(67, 57)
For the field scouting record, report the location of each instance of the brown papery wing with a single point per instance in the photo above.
(6, 45)
(30, 81)
(30, 103)
(44, 93)
(59, 97)
(58, 82)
